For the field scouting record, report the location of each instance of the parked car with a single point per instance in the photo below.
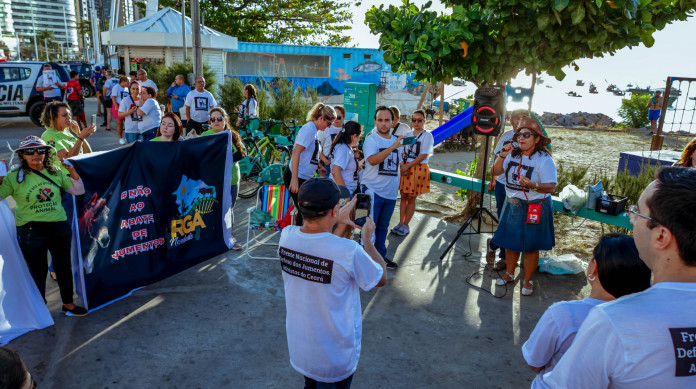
(85, 70)
(18, 95)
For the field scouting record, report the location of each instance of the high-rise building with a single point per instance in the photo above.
(32, 16)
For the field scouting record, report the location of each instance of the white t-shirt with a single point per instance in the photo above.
(642, 340)
(54, 91)
(323, 275)
(252, 109)
(382, 178)
(150, 83)
(541, 168)
(401, 130)
(309, 158)
(152, 117)
(554, 333)
(425, 143)
(507, 135)
(109, 85)
(200, 103)
(326, 137)
(130, 122)
(119, 93)
(344, 158)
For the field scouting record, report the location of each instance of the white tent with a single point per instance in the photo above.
(158, 38)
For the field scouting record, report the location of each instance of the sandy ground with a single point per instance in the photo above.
(598, 149)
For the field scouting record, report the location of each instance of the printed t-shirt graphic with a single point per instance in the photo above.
(201, 103)
(424, 145)
(390, 166)
(382, 178)
(73, 90)
(540, 168)
(307, 138)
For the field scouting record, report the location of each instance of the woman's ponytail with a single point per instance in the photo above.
(349, 129)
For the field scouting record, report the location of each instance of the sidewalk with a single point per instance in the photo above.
(221, 324)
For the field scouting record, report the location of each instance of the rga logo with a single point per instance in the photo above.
(194, 199)
(11, 94)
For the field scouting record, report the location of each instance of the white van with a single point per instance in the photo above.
(18, 95)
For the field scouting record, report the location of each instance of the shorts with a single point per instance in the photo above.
(107, 102)
(114, 113)
(653, 114)
(417, 181)
(76, 107)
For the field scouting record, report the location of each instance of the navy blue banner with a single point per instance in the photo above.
(149, 211)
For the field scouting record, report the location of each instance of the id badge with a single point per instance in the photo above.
(533, 213)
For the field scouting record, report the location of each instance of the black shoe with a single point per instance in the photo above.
(390, 264)
(77, 311)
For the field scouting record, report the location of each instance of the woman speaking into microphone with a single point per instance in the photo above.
(526, 223)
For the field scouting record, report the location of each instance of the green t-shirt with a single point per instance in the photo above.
(38, 200)
(235, 168)
(61, 140)
(157, 139)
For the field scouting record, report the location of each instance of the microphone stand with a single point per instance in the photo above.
(480, 209)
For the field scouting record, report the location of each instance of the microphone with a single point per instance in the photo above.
(514, 146)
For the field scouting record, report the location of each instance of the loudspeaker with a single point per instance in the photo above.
(489, 111)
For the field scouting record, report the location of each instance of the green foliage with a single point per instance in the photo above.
(289, 103)
(634, 111)
(491, 41)
(575, 175)
(300, 22)
(163, 76)
(231, 94)
(468, 171)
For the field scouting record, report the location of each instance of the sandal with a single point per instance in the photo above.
(507, 277)
(525, 291)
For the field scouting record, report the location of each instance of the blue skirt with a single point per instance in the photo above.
(516, 235)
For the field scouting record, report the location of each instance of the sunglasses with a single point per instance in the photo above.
(525, 135)
(417, 120)
(339, 118)
(32, 151)
(217, 119)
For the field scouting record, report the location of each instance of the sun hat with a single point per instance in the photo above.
(531, 124)
(32, 142)
(317, 195)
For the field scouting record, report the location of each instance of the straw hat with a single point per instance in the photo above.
(531, 124)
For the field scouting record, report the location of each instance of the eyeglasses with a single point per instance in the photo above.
(633, 209)
(416, 120)
(32, 151)
(525, 135)
(217, 119)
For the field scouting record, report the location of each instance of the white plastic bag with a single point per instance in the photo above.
(562, 264)
(573, 198)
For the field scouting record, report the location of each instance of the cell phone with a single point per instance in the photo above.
(408, 141)
(94, 120)
(362, 208)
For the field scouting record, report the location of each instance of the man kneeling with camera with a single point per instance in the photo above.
(322, 274)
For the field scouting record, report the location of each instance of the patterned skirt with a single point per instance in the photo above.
(417, 181)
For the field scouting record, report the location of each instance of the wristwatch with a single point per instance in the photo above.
(536, 187)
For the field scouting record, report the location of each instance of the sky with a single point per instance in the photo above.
(673, 54)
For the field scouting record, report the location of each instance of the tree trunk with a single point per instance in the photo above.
(422, 99)
(442, 101)
(531, 96)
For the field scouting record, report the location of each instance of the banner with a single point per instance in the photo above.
(149, 211)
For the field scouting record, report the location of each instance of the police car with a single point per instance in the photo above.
(18, 95)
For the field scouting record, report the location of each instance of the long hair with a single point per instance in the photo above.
(50, 114)
(349, 129)
(319, 110)
(688, 152)
(177, 125)
(47, 163)
(236, 138)
(538, 148)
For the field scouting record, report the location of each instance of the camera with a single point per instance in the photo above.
(362, 208)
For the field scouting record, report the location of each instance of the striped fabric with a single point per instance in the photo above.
(275, 199)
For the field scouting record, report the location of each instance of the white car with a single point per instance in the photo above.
(18, 94)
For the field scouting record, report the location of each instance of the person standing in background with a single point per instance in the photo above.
(76, 100)
(118, 93)
(142, 77)
(248, 107)
(94, 81)
(108, 102)
(327, 136)
(128, 112)
(198, 105)
(654, 108)
(51, 92)
(149, 111)
(178, 92)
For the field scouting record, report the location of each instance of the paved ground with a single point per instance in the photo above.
(221, 324)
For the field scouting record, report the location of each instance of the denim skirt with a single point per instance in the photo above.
(516, 235)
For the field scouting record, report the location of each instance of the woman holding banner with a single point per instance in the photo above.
(219, 121)
(170, 129)
(526, 223)
(42, 223)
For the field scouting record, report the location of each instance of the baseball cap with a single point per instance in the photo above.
(317, 196)
(98, 68)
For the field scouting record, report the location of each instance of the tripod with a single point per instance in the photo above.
(480, 210)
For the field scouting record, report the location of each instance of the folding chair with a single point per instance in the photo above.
(274, 199)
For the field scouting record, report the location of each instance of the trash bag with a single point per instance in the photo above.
(573, 198)
(562, 264)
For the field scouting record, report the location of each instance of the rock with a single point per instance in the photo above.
(583, 119)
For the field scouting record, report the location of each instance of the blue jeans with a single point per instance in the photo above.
(382, 210)
(132, 137)
(149, 134)
(312, 384)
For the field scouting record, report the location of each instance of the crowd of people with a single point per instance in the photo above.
(636, 328)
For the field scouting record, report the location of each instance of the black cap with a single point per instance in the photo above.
(317, 196)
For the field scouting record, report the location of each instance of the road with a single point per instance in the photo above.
(14, 129)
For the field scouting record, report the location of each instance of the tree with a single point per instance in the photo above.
(490, 41)
(316, 22)
(634, 111)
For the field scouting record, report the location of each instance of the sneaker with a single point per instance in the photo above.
(405, 230)
(77, 311)
(397, 229)
(122, 141)
(390, 264)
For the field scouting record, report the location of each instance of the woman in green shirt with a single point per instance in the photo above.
(42, 224)
(169, 129)
(56, 117)
(219, 122)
